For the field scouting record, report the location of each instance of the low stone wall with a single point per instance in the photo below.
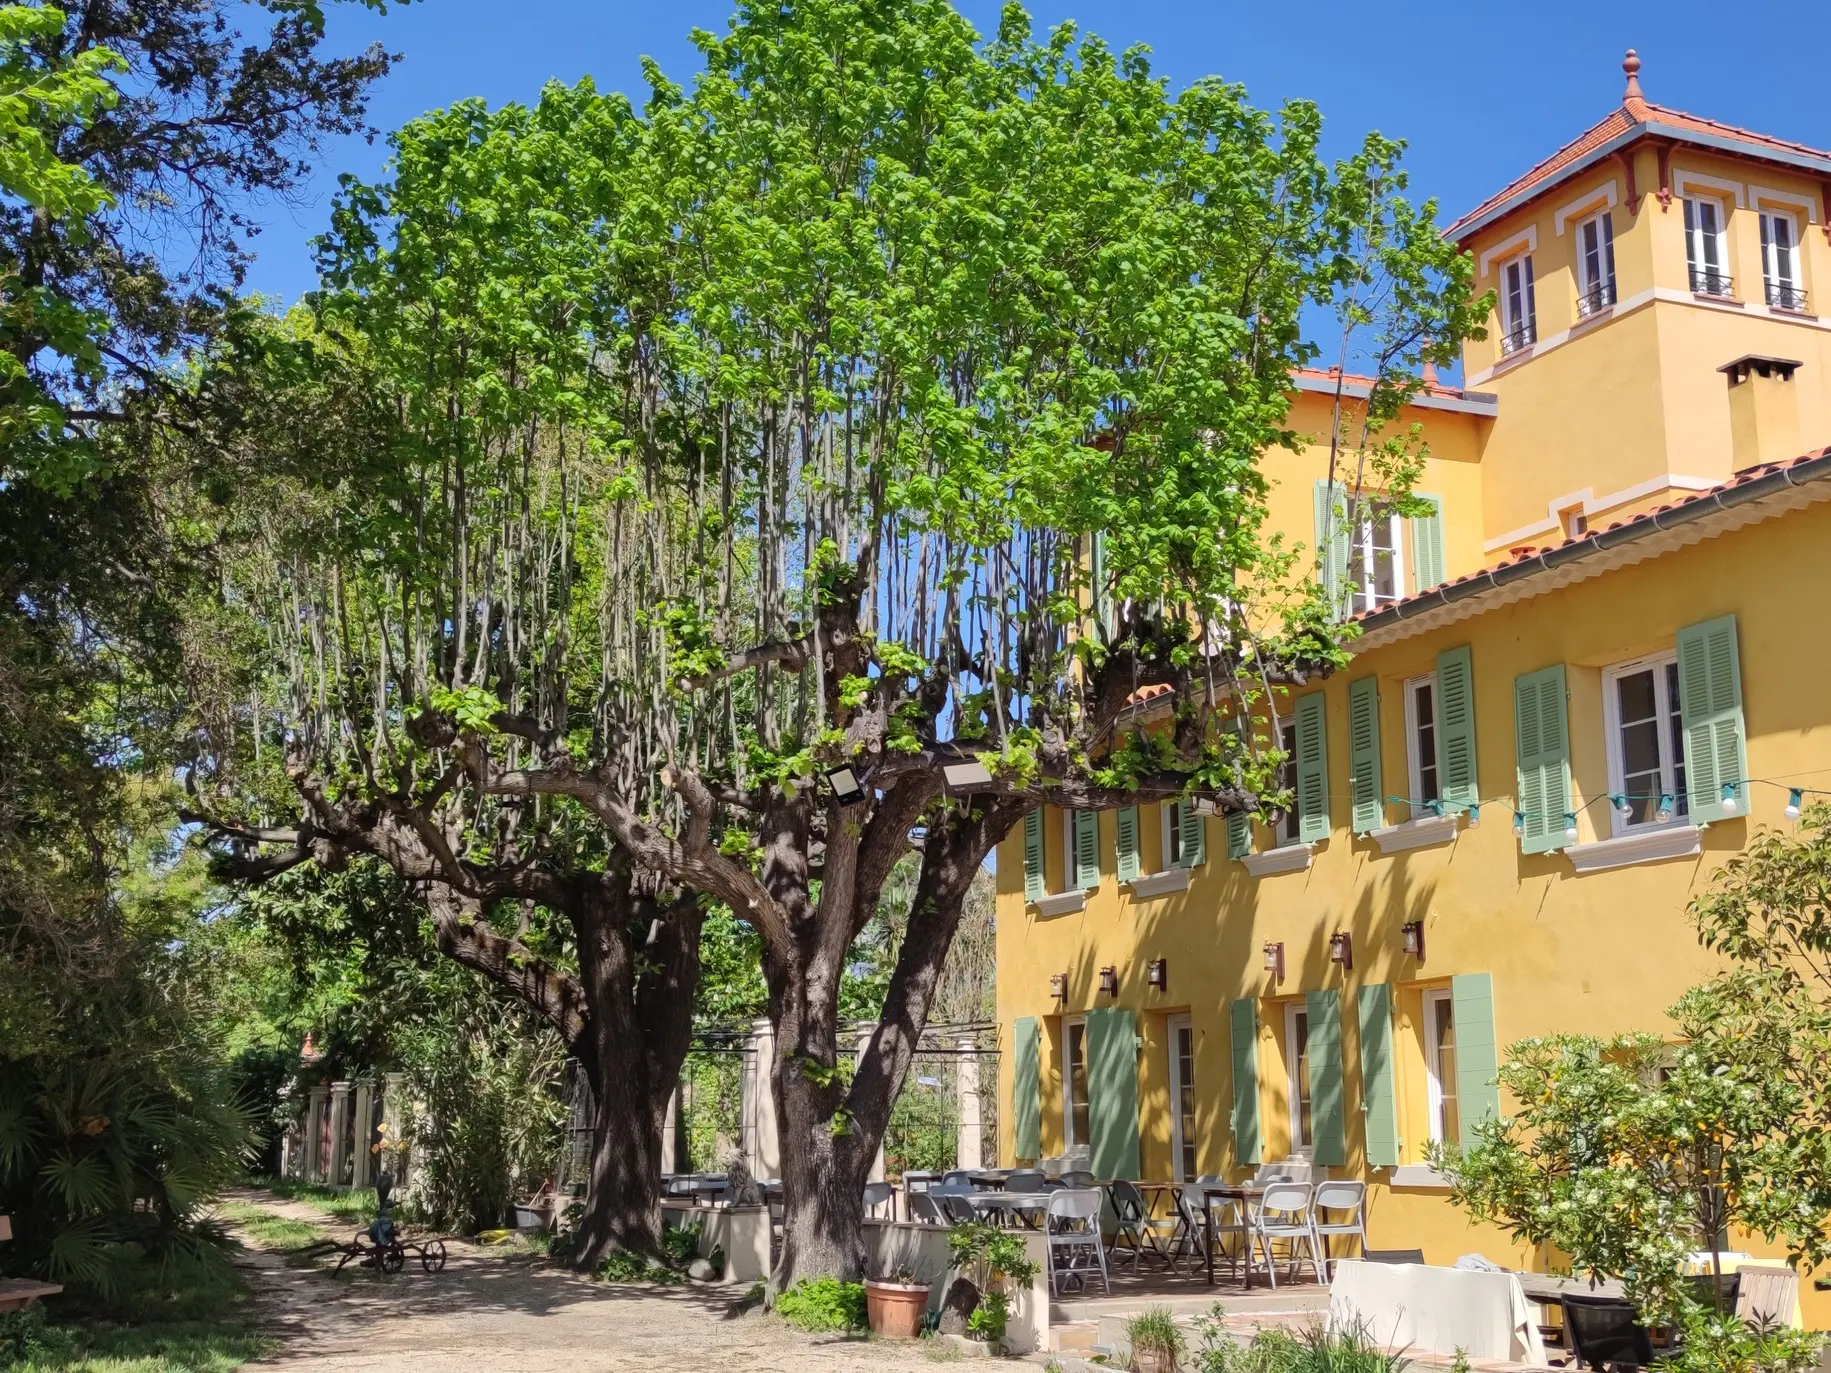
(922, 1249)
(741, 1231)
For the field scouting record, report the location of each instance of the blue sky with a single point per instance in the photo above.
(1479, 91)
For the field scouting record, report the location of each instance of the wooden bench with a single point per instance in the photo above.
(18, 1293)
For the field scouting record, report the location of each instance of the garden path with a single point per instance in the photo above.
(494, 1312)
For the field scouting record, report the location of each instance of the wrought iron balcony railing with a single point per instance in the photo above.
(1784, 295)
(1711, 281)
(1522, 335)
(1595, 298)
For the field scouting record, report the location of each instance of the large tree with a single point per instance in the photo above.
(893, 399)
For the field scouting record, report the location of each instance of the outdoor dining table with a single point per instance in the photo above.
(1015, 1203)
(1248, 1196)
(991, 1179)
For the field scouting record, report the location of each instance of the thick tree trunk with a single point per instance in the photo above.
(623, 1200)
(823, 1181)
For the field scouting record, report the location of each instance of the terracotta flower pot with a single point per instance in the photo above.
(895, 1309)
(1153, 1361)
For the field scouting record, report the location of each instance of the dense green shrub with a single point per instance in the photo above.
(823, 1304)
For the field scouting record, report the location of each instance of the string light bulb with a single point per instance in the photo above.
(1570, 827)
(1729, 798)
(1622, 808)
(1794, 796)
(1519, 822)
(1474, 817)
(1665, 807)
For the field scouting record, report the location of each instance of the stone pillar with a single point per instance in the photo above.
(877, 1164)
(315, 1112)
(761, 1145)
(362, 1162)
(393, 1123)
(969, 1150)
(670, 1133)
(340, 1134)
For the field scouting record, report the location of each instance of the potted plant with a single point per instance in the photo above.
(1157, 1345)
(895, 1305)
(997, 1263)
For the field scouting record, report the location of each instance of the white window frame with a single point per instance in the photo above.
(1611, 725)
(1604, 225)
(1288, 820)
(1361, 541)
(1069, 1024)
(1296, 1049)
(1772, 258)
(1433, 1079)
(1695, 239)
(1175, 1025)
(1414, 761)
(1169, 833)
(1510, 321)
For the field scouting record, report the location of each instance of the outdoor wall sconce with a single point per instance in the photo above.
(1274, 961)
(1109, 981)
(1341, 949)
(843, 782)
(1058, 987)
(1412, 932)
(1157, 974)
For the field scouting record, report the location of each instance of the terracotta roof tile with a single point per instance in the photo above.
(1742, 478)
(1633, 112)
(1356, 379)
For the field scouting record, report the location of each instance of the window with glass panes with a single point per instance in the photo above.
(1421, 743)
(1646, 741)
(1780, 259)
(1297, 1063)
(1518, 305)
(1595, 263)
(1440, 1066)
(1705, 251)
(1182, 1088)
(1375, 564)
(1074, 1086)
(1284, 823)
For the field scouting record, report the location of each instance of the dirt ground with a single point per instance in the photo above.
(494, 1313)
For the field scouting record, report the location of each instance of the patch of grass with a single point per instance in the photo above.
(192, 1326)
(268, 1230)
(357, 1206)
(817, 1304)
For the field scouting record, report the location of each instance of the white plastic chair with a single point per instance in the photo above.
(1071, 1229)
(880, 1200)
(1349, 1197)
(1283, 1213)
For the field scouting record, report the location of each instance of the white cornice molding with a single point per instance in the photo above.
(1416, 834)
(1651, 846)
(1767, 195)
(1669, 481)
(1159, 883)
(1683, 180)
(1062, 903)
(1526, 240)
(1601, 196)
(1284, 858)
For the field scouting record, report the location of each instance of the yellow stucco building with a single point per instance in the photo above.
(1576, 691)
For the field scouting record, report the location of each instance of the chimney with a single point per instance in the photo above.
(1763, 411)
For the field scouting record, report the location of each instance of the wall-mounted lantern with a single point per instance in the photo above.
(1341, 949)
(1109, 981)
(1157, 974)
(1058, 987)
(1412, 932)
(1274, 961)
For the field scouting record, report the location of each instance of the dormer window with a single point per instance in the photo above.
(1780, 260)
(1519, 315)
(1595, 264)
(1706, 251)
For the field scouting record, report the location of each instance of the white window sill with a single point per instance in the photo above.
(1417, 834)
(1160, 883)
(1062, 903)
(1284, 858)
(1420, 1176)
(1649, 846)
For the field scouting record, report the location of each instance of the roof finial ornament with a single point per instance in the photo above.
(1631, 65)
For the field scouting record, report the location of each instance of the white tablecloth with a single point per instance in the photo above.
(1436, 1310)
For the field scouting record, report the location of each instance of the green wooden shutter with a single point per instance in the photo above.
(1332, 545)
(1312, 769)
(1710, 707)
(1379, 1095)
(1126, 844)
(1328, 1134)
(1195, 836)
(1544, 759)
(1427, 545)
(1364, 780)
(1477, 1053)
(1033, 856)
(1112, 1094)
(1456, 728)
(1026, 1089)
(1244, 1019)
(1239, 835)
(1086, 848)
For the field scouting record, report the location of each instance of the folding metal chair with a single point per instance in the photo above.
(880, 1200)
(1074, 1247)
(1135, 1223)
(1350, 1197)
(1605, 1332)
(1283, 1213)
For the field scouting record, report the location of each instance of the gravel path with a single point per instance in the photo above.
(491, 1311)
